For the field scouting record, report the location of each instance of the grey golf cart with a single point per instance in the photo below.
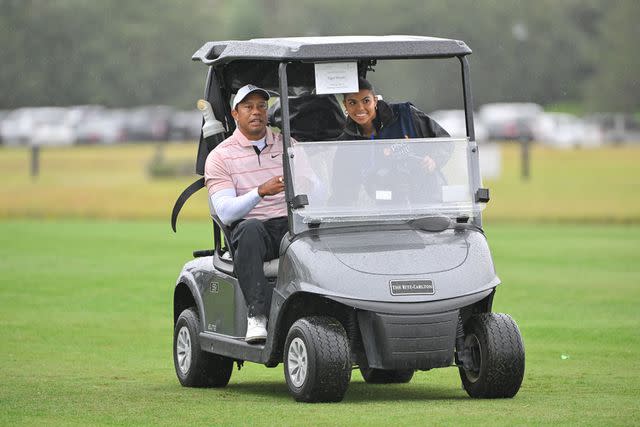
(393, 277)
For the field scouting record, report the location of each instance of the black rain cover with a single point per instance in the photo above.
(312, 117)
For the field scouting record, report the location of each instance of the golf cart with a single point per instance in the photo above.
(394, 278)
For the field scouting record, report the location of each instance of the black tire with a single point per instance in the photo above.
(321, 345)
(386, 376)
(497, 356)
(194, 367)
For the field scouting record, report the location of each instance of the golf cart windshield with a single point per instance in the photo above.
(382, 180)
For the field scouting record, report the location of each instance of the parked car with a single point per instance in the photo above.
(185, 125)
(3, 114)
(12, 128)
(616, 127)
(563, 130)
(510, 121)
(105, 127)
(20, 125)
(149, 123)
(62, 131)
(453, 121)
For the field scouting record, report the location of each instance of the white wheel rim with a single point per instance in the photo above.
(183, 349)
(297, 362)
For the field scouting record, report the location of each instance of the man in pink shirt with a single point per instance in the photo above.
(244, 178)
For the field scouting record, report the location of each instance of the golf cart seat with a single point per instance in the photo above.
(223, 255)
(311, 117)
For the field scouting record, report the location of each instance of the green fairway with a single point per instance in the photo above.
(85, 310)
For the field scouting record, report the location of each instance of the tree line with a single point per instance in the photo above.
(576, 53)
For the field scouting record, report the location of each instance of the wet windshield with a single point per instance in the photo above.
(395, 179)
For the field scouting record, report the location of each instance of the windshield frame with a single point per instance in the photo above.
(295, 201)
(330, 175)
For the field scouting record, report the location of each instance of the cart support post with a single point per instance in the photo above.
(286, 142)
(472, 151)
(467, 98)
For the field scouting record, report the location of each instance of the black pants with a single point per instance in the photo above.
(255, 242)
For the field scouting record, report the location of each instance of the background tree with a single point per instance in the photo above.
(615, 84)
(120, 53)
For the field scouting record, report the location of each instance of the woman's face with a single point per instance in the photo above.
(361, 107)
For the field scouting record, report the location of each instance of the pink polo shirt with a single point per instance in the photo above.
(234, 164)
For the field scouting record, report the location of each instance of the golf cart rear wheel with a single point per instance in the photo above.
(496, 356)
(317, 361)
(194, 367)
(386, 376)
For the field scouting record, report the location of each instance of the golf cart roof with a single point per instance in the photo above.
(333, 48)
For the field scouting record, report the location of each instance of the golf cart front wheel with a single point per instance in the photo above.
(495, 356)
(317, 361)
(386, 376)
(194, 367)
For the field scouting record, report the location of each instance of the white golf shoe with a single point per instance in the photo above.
(256, 329)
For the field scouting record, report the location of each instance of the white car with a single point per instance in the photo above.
(61, 130)
(21, 124)
(453, 121)
(510, 121)
(104, 127)
(563, 130)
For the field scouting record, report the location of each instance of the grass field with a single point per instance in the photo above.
(85, 314)
(599, 185)
(88, 264)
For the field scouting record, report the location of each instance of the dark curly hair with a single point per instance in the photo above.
(363, 84)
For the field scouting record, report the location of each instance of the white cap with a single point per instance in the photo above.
(246, 90)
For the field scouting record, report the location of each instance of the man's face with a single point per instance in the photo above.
(251, 116)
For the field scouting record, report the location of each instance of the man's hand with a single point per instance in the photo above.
(428, 164)
(271, 187)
